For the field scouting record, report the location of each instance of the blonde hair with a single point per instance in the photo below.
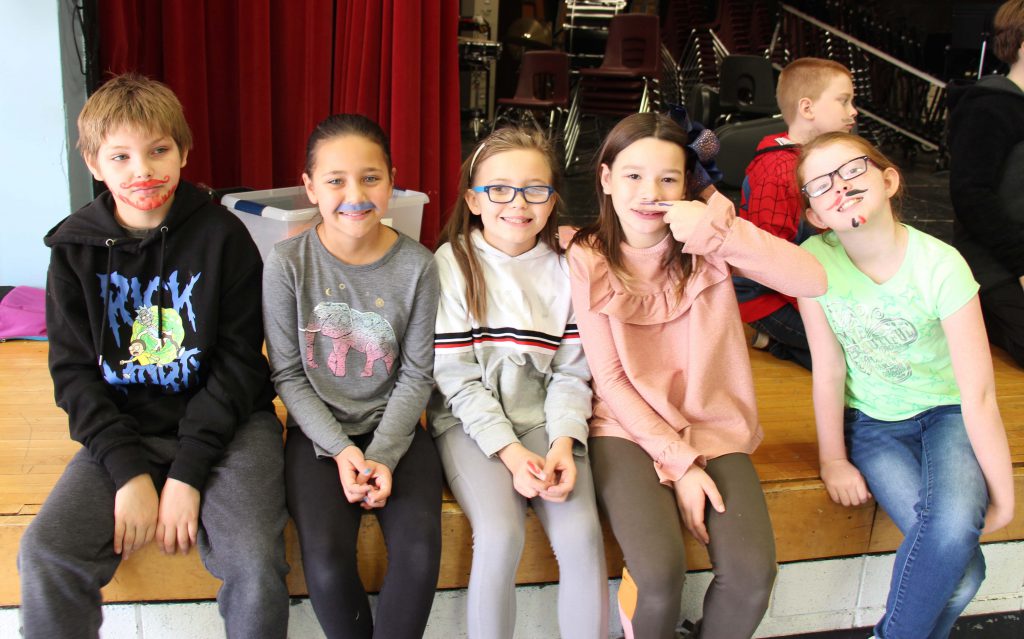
(1008, 31)
(605, 235)
(805, 78)
(876, 157)
(462, 221)
(134, 101)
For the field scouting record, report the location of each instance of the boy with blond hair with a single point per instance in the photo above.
(815, 96)
(153, 311)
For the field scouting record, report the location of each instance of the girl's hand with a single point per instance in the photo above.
(844, 482)
(693, 490)
(560, 467)
(354, 473)
(998, 516)
(682, 217)
(527, 468)
(379, 482)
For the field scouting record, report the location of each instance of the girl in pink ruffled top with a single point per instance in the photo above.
(675, 419)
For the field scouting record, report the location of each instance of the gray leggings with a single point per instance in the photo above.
(497, 513)
(67, 553)
(646, 522)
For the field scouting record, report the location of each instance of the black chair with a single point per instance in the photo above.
(543, 86)
(747, 87)
(739, 142)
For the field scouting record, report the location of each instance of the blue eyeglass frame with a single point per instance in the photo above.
(516, 190)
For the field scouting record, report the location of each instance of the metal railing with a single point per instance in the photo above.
(700, 60)
(903, 101)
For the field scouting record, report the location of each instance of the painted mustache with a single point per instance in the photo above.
(655, 204)
(146, 184)
(356, 207)
(840, 196)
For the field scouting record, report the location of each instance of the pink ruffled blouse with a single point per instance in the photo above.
(674, 376)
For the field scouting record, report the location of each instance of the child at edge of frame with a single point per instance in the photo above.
(904, 393)
(153, 301)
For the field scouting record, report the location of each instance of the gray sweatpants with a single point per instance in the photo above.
(483, 487)
(646, 522)
(67, 553)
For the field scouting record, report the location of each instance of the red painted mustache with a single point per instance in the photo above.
(146, 184)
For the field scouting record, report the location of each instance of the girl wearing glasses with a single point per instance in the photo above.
(512, 401)
(675, 418)
(349, 323)
(904, 396)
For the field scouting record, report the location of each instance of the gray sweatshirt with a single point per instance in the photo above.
(522, 367)
(351, 347)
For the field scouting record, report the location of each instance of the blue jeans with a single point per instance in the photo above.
(923, 472)
(789, 339)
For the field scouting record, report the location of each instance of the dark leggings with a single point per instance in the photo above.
(328, 528)
(647, 525)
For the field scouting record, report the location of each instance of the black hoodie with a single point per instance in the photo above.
(156, 336)
(986, 143)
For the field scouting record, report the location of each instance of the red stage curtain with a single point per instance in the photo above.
(398, 64)
(255, 76)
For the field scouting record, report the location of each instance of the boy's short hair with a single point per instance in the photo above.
(1008, 30)
(805, 78)
(134, 101)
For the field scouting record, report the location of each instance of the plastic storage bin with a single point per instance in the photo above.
(277, 214)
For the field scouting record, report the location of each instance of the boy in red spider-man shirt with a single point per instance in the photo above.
(815, 96)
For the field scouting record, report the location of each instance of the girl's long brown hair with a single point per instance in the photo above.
(605, 235)
(462, 221)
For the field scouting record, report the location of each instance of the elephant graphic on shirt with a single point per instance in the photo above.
(368, 333)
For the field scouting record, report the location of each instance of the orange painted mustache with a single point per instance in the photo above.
(146, 184)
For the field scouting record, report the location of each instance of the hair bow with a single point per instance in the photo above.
(702, 147)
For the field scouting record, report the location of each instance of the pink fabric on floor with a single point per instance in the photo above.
(23, 314)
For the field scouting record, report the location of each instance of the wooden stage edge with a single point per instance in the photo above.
(35, 448)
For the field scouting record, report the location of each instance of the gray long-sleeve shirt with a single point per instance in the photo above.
(351, 347)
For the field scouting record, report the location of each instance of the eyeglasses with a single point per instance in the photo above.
(848, 171)
(503, 193)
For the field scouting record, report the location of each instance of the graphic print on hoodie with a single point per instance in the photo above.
(156, 352)
(159, 335)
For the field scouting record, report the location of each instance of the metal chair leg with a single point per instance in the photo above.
(572, 128)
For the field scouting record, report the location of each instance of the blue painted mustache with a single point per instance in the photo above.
(358, 206)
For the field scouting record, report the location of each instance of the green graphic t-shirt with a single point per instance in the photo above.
(897, 358)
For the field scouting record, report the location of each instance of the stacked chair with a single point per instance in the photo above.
(627, 80)
(543, 88)
(585, 29)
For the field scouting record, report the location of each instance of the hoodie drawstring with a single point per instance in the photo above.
(110, 243)
(160, 285)
(106, 300)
